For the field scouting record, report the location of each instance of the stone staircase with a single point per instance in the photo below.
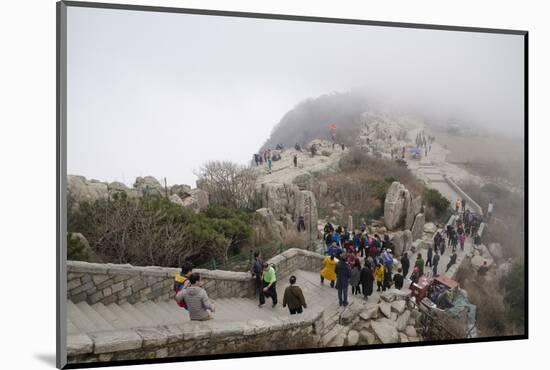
(85, 318)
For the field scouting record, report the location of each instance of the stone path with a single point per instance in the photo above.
(284, 172)
(85, 318)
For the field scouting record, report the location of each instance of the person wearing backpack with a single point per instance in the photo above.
(270, 280)
(181, 281)
(294, 297)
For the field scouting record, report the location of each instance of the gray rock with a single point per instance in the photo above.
(398, 306)
(477, 262)
(149, 186)
(81, 190)
(398, 243)
(398, 200)
(393, 316)
(393, 294)
(430, 228)
(496, 251)
(352, 338)
(197, 200)
(403, 338)
(407, 240)
(403, 320)
(418, 226)
(386, 332)
(370, 312)
(385, 308)
(410, 331)
(367, 336)
(180, 190)
(174, 198)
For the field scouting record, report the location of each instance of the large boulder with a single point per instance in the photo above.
(403, 320)
(266, 225)
(174, 198)
(477, 261)
(352, 338)
(386, 332)
(149, 186)
(197, 200)
(81, 190)
(280, 198)
(398, 243)
(306, 206)
(496, 250)
(396, 205)
(430, 228)
(180, 190)
(407, 240)
(418, 226)
(413, 207)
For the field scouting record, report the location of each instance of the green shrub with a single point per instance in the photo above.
(513, 285)
(434, 199)
(77, 250)
(155, 231)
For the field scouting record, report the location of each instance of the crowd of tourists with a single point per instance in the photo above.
(354, 259)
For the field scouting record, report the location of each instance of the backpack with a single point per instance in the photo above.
(179, 284)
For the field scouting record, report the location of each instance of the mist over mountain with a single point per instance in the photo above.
(310, 118)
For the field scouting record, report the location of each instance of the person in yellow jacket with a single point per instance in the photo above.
(329, 270)
(379, 276)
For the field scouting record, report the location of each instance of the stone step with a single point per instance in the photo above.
(141, 319)
(114, 320)
(71, 328)
(95, 317)
(79, 319)
(129, 320)
(156, 317)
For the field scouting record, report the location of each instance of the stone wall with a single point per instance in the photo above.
(462, 193)
(296, 259)
(195, 339)
(112, 283)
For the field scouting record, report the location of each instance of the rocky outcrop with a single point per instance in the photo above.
(181, 190)
(288, 203)
(174, 198)
(398, 199)
(400, 209)
(79, 189)
(149, 186)
(266, 225)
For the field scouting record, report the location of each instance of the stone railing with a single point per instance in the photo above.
(463, 195)
(196, 339)
(296, 259)
(112, 283)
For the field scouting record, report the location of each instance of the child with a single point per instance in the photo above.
(181, 281)
(294, 297)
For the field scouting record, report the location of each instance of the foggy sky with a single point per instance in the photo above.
(159, 94)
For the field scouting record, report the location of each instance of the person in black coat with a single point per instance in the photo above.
(405, 264)
(367, 280)
(429, 256)
(343, 274)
